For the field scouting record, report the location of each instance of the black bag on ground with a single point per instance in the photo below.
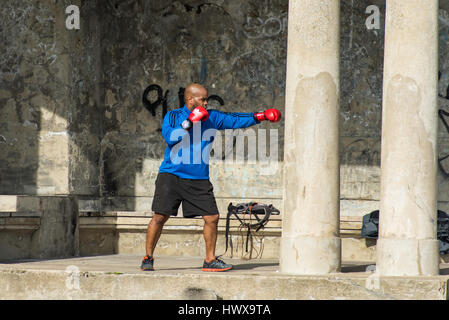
(370, 228)
(370, 225)
(443, 232)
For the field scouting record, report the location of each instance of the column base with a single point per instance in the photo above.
(38, 227)
(310, 255)
(407, 257)
(59, 232)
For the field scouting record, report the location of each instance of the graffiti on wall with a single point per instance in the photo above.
(443, 115)
(161, 100)
(256, 28)
(446, 95)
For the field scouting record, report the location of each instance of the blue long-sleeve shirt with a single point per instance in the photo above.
(187, 152)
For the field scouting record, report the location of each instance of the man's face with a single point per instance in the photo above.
(200, 99)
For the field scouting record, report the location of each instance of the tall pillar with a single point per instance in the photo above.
(407, 242)
(310, 241)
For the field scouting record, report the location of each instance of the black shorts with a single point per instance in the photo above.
(197, 196)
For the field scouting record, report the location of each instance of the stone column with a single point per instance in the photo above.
(407, 242)
(310, 241)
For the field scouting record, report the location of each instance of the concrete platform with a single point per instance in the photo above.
(119, 277)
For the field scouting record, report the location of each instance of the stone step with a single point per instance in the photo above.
(349, 226)
(118, 277)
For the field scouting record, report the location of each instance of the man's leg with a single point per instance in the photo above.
(210, 235)
(211, 263)
(154, 231)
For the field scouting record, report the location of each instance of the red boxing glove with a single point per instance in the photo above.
(197, 114)
(272, 115)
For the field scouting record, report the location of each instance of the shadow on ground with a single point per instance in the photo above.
(249, 266)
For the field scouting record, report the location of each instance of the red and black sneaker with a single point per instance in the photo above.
(147, 263)
(216, 266)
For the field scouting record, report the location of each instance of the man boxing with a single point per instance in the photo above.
(187, 182)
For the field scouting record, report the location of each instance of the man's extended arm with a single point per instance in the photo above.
(237, 120)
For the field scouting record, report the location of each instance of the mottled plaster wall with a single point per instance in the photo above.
(72, 118)
(50, 94)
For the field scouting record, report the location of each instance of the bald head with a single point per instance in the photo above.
(194, 89)
(195, 95)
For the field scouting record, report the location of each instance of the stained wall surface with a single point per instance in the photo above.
(73, 120)
(50, 100)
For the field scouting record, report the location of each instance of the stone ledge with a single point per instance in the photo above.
(118, 277)
(19, 223)
(20, 214)
(350, 227)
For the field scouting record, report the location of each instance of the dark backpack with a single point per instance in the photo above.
(370, 225)
(370, 228)
(443, 232)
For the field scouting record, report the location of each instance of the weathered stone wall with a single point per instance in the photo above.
(72, 117)
(50, 80)
(72, 120)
